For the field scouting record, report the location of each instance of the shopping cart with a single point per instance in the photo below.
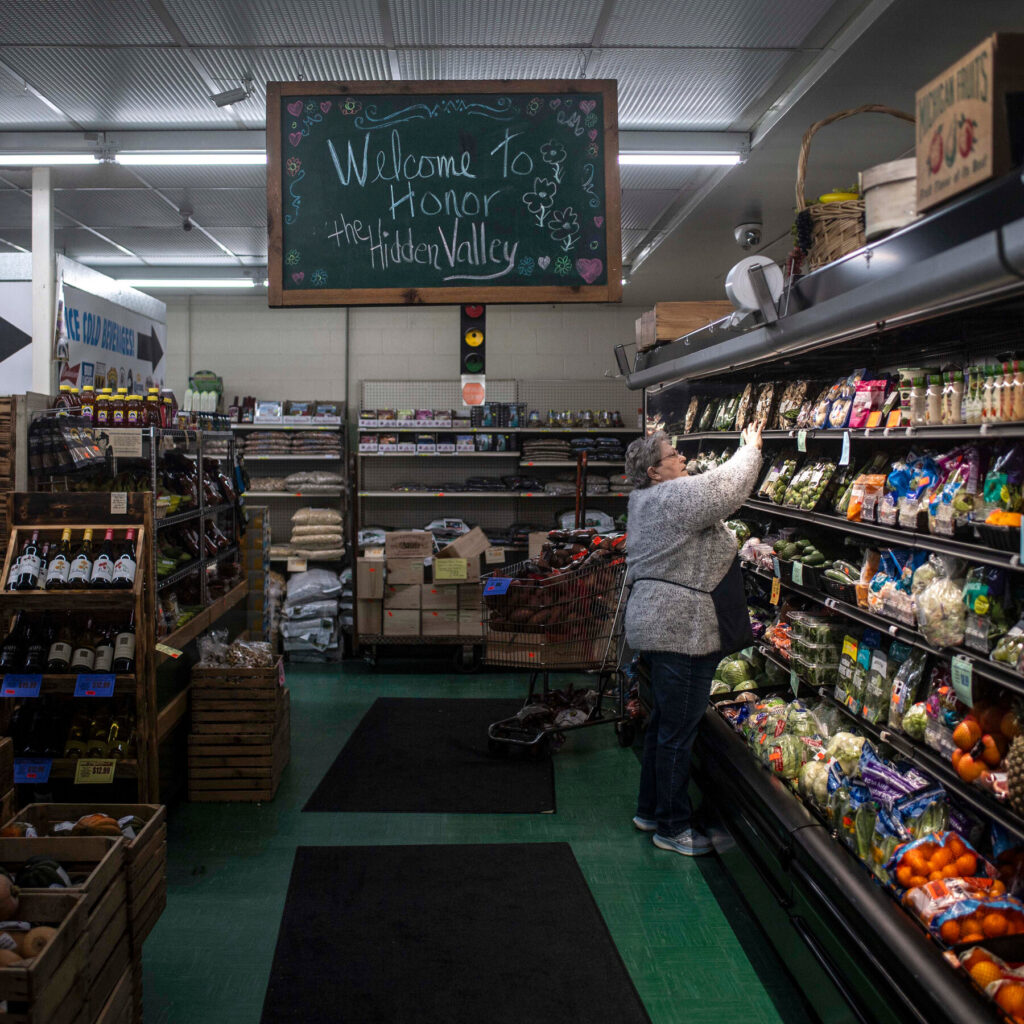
(569, 622)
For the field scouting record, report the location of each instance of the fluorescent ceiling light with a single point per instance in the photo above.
(45, 159)
(188, 282)
(680, 159)
(226, 158)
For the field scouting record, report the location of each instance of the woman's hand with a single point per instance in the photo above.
(752, 434)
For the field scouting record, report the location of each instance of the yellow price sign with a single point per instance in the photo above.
(776, 590)
(450, 568)
(171, 652)
(95, 769)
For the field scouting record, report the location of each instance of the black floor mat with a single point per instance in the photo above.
(410, 755)
(424, 934)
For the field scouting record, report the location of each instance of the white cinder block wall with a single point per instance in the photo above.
(300, 353)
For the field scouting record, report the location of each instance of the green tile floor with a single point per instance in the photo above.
(686, 939)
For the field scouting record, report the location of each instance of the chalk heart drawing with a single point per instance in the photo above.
(298, 278)
(295, 138)
(599, 221)
(592, 134)
(543, 262)
(554, 103)
(589, 270)
(325, 106)
(295, 108)
(587, 105)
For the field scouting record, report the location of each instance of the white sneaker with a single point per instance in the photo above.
(645, 824)
(689, 842)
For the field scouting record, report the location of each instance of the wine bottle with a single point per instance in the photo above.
(81, 566)
(99, 729)
(15, 644)
(29, 564)
(103, 567)
(124, 648)
(84, 656)
(104, 650)
(38, 646)
(78, 735)
(59, 570)
(124, 567)
(121, 734)
(61, 649)
(44, 565)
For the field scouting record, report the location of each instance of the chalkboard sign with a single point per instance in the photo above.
(443, 192)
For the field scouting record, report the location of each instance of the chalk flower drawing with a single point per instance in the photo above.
(592, 149)
(319, 278)
(350, 107)
(554, 154)
(525, 267)
(564, 228)
(590, 120)
(541, 199)
(533, 106)
(562, 265)
(293, 166)
(310, 107)
(293, 257)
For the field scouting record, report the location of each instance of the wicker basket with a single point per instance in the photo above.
(836, 228)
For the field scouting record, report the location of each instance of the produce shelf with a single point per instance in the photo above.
(188, 516)
(438, 455)
(334, 493)
(289, 458)
(571, 463)
(180, 638)
(64, 768)
(287, 426)
(953, 432)
(197, 564)
(506, 430)
(481, 494)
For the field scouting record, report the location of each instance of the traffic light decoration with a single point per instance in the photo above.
(473, 341)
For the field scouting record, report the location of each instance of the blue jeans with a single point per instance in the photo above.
(680, 685)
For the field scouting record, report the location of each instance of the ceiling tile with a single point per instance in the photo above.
(642, 207)
(147, 242)
(687, 89)
(204, 177)
(15, 210)
(109, 208)
(635, 176)
(223, 207)
(494, 22)
(272, 23)
(80, 23)
(21, 109)
(80, 244)
(714, 22)
(243, 241)
(488, 64)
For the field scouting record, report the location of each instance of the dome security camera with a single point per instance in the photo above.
(186, 218)
(747, 235)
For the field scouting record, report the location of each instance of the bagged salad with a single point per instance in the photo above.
(986, 594)
(880, 678)
(790, 403)
(951, 504)
(906, 686)
(940, 607)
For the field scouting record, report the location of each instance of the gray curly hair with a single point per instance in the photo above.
(641, 455)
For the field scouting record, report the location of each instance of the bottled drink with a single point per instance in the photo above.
(99, 729)
(104, 650)
(83, 658)
(65, 403)
(61, 649)
(134, 411)
(124, 568)
(153, 404)
(124, 648)
(101, 417)
(29, 564)
(120, 736)
(103, 568)
(118, 408)
(81, 567)
(78, 736)
(88, 409)
(59, 569)
(39, 635)
(44, 565)
(15, 644)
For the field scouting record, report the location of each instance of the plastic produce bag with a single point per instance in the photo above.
(881, 675)
(906, 686)
(846, 748)
(985, 595)
(940, 606)
(312, 585)
(923, 812)
(1009, 648)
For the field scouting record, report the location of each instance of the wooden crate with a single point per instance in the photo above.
(671, 320)
(6, 764)
(119, 1008)
(244, 764)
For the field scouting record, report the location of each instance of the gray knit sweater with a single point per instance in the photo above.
(676, 533)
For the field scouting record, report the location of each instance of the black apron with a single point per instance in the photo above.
(730, 601)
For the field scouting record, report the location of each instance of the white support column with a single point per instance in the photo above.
(42, 281)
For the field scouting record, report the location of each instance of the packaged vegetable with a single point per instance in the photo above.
(944, 710)
(841, 405)
(813, 782)
(725, 418)
(940, 607)
(847, 664)
(888, 833)
(806, 488)
(690, 419)
(937, 856)
(880, 677)
(707, 417)
(869, 397)
(765, 404)
(846, 748)
(1002, 488)
(906, 686)
(745, 407)
(864, 498)
(985, 594)
(779, 474)
(1010, 647)
(924, 811)
(789, 404)
(869, 643)
(915, 721)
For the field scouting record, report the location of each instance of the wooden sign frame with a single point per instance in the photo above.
(609, 292)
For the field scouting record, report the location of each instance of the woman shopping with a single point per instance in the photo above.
(686, 611)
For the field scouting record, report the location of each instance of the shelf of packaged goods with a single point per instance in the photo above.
(980, 665)
(290, 458)
(894, 536)
(64, 683)
(64, 768)
(481, 494)
(439, 455)
(180, 638)
(468, 641)
(571, 463)
(334, 493)
(192, 513)
(59, 600)
(287, 426)
(504, 430)
(195, 566)
(952, 432)
(305, 558)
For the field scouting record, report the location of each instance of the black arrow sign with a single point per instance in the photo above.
(150, 349)
(12, 339)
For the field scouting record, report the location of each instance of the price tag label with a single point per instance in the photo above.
(125, 442)
(118, 503)
(962, 670)
(450, 568)
(21, 685)
(801, 440)
(94, 684)
(494, 556)
(775, 564)
(32, 771)
(95, 769)
(171, 652)
(496, 586)
(794, 681)
(776, 590)
(844, 455)
(798, 573)
(296, 564)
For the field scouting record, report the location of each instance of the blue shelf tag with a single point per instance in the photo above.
(844, 455)
(95, 684)
(21, 685)
(775, 564)
(32, 771)
(497, 585)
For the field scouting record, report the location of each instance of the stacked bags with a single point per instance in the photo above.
(309, 626)
(317, 534)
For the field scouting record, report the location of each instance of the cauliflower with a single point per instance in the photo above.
(845, 748)
(813, 782)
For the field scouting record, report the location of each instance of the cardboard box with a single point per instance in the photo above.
(369, 617)
(537, 541)
(470, 622)
(405, 570)
(436, 598)
(469, 545)
(408, 544)
(472, 573)
(441, 622)
(401, 622)
(470, 597)
(970, 127)
(370, 578)
(404, 595)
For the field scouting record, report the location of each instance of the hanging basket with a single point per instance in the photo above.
(835, 228)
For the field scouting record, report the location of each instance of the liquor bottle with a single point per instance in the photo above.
(38, 647)
(124, 568)
(84, 656)
(44, 565)
(29, 564)
(61, 648)
(104, 650)
(78, 735)
(59, 569)
(81, 566)
(15, 644)
(124, 648)
(103, 567)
